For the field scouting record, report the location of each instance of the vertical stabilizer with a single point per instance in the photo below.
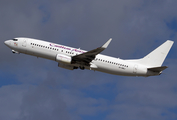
(157, 57)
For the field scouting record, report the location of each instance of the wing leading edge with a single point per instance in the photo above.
(87, 57)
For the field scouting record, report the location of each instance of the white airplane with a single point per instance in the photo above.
(73, 58)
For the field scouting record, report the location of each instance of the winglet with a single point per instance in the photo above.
(107, 43)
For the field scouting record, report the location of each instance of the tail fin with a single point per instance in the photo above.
(157, 57)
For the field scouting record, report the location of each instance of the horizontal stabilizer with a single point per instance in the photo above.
(157, 69)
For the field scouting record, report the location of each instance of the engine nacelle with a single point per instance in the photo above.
(63, 58)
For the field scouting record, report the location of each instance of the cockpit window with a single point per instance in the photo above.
(15, 39)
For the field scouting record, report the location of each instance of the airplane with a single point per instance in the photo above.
(73, 58)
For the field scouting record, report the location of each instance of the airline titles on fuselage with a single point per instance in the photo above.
(66, 48)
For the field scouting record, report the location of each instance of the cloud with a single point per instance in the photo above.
(11, 98)
(146, 98)
(44, 91)
(43, 102)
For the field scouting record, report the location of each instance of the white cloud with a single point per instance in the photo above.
(135, 26)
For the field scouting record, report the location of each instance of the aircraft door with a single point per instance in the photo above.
(135, 68)
(24, 42)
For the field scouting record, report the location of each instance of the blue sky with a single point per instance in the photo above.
(35, 88)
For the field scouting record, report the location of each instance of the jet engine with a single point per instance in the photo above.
(63, 58)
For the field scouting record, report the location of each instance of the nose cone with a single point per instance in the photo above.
(7, 42)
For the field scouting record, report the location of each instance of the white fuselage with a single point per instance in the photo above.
(103, 63)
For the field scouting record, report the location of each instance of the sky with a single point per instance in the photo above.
(37, 89)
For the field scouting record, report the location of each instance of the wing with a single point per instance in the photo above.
(87, 57)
